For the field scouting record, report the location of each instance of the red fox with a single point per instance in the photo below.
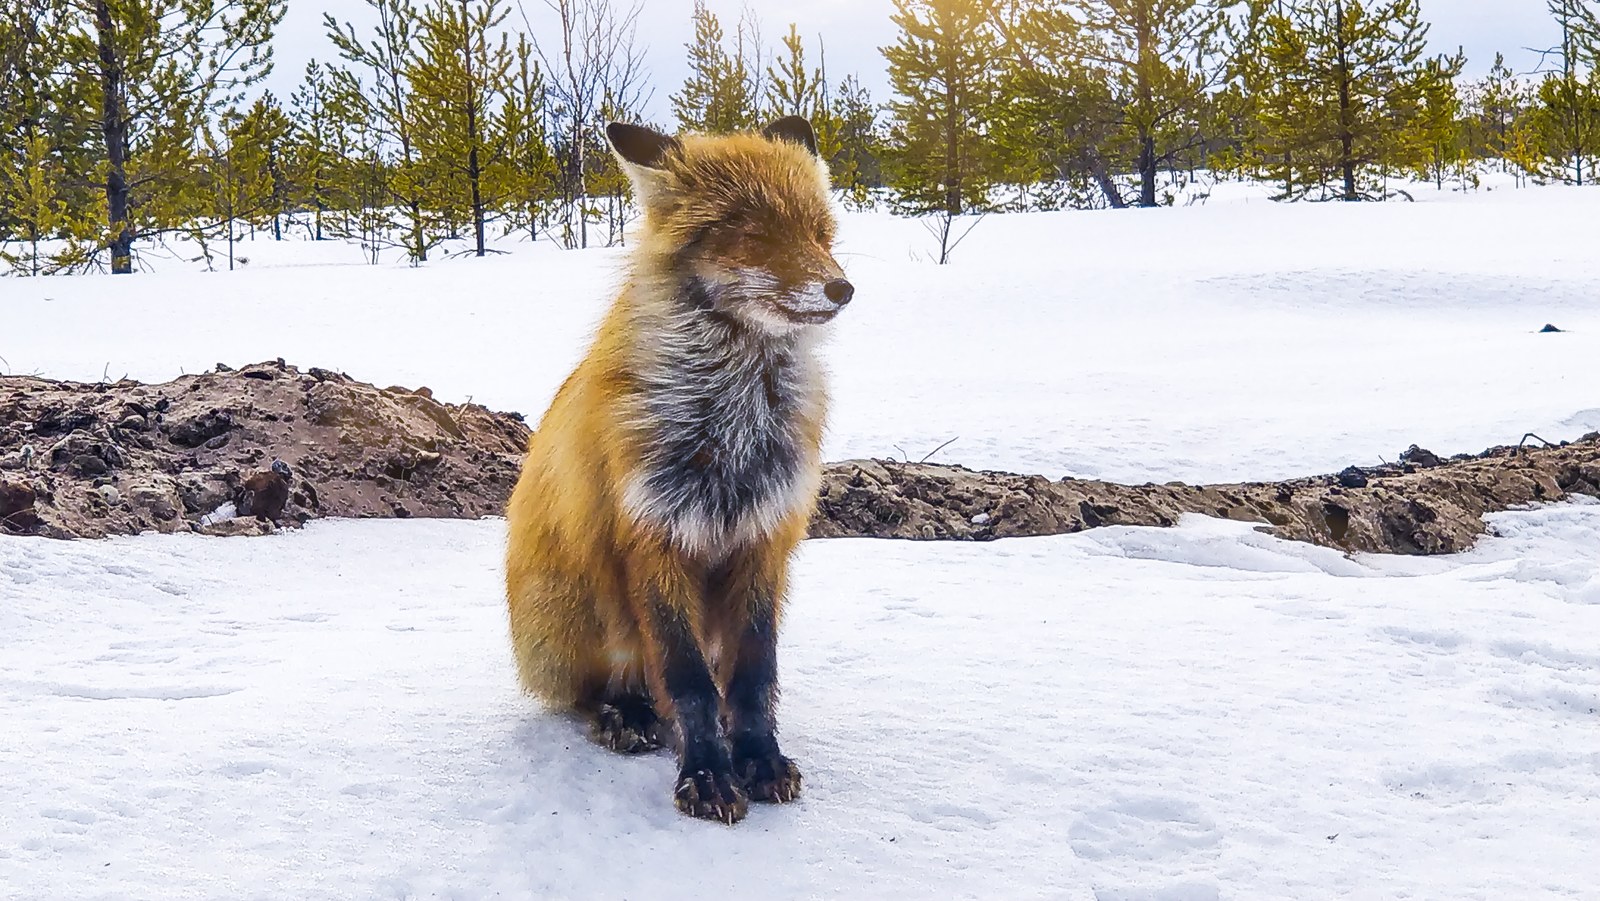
(678, 466)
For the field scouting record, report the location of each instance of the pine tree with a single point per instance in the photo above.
(531, 167)
(317, 144)
(155, 71)
(234, 163)
(793, 89)
(942, 69)
(1161, 59)
(716, 97)
(1339, 88)
(1567, 121)
(1059, 129)
(1436, 128)
(266, 129)
(381, 106)
(43, 137)
(459, 77)
(32, 199)
(1498, 101)
(856, 160)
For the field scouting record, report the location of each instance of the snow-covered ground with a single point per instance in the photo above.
(1202, 712)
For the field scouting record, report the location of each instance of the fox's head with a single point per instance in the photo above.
(745, 218)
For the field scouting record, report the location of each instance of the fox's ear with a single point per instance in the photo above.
(795, 130)
(643, 147)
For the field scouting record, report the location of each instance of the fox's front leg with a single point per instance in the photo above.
(671, 601)
(751, 594)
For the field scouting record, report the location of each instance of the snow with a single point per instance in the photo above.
(1241, 339)
(1192, 713)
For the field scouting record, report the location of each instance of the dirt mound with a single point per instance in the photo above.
(197, 453)
(1421, 505)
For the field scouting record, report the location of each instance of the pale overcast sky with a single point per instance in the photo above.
(855, 29)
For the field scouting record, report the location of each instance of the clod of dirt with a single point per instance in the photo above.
(125, 457)
(1352, 477)
(16, 508)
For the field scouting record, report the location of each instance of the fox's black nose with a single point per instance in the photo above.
(839, 291)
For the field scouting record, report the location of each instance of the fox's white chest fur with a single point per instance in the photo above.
(726, 419)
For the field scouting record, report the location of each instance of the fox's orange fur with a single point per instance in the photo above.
(677, 468)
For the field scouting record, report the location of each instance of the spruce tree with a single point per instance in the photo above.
(942, 68)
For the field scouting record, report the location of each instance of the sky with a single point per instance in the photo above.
(855, 29)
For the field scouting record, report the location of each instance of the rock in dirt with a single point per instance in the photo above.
(124, 457)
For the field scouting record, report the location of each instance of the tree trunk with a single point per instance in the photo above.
(952, 147)
(476, 177)
(1108, 185)
(1347, 139)
(1147, 171)
(114, 128)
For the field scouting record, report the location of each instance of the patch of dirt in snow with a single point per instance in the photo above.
(196, 454)
(1422, 505)
(90, 460)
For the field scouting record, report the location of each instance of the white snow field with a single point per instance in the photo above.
(1194, 713)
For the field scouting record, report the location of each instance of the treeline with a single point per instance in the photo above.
(127, 121)
(1029, 104)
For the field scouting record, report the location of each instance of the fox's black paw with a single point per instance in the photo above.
(710, 796)
(768, 777)
(627, 725)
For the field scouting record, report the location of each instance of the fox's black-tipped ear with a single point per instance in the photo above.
(640, 146)
(795, 130)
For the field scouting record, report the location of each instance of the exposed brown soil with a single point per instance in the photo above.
(124, 457)
(1422, 505)
(89, 460)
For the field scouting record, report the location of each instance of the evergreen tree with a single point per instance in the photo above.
(1059, 129)
(1566, 127)
(1497, 102)
(1436, 128)
(154, 72)
(716, 97)
(531, 167)
(1339, 88)
(459, 77)
(857, 161)
(265, 128)
(1567, 121)
(234, 163)
(33, 200)
(793, 89)
(381, 107)
(1160, 59)
(317, 144)
(942, 69)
